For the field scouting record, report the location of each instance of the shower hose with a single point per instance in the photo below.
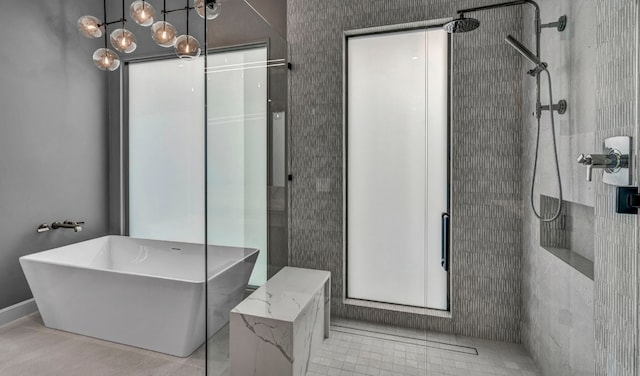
(555, 153)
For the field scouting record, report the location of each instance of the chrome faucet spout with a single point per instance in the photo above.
(76, 226)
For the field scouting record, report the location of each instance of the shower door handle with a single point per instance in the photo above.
(445, 242)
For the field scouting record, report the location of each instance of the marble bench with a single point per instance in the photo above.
(275, 331)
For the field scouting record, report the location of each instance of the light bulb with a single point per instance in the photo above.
(90, 26)
(210, 8)
(164, 33)
(105, 59)
(123, 40)
(142, 12)
(187, 47)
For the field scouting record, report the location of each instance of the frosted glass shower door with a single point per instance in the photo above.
(397, 167)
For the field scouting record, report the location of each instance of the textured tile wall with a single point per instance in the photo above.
(557, 301)
(616, 248)
(486, 179)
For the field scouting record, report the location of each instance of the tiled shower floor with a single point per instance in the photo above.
(28, 348)
(357, 348)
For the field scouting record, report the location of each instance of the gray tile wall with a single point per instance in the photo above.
(573, 326)
(616, 248)
(486, 179)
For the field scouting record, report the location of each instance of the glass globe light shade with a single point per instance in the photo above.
(123, 40)
(187, 47)
(90, 27)
(164, 33)
(211, 10)
(105, 59)
(142, 12)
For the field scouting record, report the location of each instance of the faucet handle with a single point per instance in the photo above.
(43, 228)
(68, 222)
(589, 172)
(585, 159)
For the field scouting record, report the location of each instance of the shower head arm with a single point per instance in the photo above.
(500, 5)
(511, 4)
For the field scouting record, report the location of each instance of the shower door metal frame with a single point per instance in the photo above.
(388, 29)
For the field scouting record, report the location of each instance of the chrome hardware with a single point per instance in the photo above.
(611, 162)
(615, 161)
(43, 228)
(536, 71)
(560, 25)
(560, 107)
(76, 226)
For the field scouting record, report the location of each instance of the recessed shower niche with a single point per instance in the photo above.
(571, 237)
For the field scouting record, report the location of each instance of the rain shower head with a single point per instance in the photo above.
(524, 51)
(461, 25)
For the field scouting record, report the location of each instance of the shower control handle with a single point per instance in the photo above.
(587, 161)
(615, 160)
(610, 162)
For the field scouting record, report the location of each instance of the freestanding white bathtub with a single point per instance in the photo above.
(143, 293)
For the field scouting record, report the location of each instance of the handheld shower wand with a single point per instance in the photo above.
(524, 51)
(535, 72)
(561, 106)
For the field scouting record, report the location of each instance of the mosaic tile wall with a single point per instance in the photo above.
(486, 181)
(616, 249)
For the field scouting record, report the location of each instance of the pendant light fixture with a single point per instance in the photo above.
(187, 47)
(207, 9)
(142, 12)
(104, 58)
(122, 39)
(90, 27)
(162, 32)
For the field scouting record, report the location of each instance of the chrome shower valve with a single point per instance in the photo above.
(615, 162)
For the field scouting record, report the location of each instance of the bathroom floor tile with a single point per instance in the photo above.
(359, 348)
(355, 348)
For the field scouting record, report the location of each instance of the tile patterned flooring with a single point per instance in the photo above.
(28, 348)
(357, 349)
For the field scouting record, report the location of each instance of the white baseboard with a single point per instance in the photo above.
(17, 311)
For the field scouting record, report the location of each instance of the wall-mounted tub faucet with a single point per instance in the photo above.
(76, 226)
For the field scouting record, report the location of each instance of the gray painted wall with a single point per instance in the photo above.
(53, 148)
(557, 300)
(486, 177)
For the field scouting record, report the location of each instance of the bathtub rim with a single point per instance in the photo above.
(31, 258)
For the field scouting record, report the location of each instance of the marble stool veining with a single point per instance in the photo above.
(275, 331)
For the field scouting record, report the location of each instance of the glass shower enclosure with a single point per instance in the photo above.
(205, 157)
